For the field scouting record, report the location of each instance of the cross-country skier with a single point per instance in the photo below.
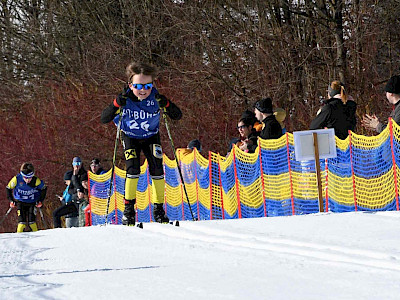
(25, 191)
(140, 105)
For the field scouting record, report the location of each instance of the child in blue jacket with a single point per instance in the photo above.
(25, 191)
(141, 106)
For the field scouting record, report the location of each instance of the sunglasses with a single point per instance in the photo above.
(76, 163)
(140, 86)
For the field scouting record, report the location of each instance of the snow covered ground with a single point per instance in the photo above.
(321, 256)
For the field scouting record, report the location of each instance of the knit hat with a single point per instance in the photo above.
(76, 159)
(194, 144)
(264, 105)
(27, 170)
(68, 175)
(95, 161)
(393, 85)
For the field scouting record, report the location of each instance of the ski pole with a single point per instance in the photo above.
(113, 164)
(4, 217)
(41, 215)
(177, 162)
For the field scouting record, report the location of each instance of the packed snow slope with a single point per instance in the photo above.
(321, 256)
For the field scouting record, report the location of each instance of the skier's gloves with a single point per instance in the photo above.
(162, 100)
(121, 98)
(39, 204)
(12, 204)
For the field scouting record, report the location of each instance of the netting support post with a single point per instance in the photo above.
(326, 186)
(181, 185)
(210, 172)
(149, 191)
(352, 171)
(236, 183)
(262, 179)
(290, 173)
(89, 200)
(197, 184)
(394, 162)
(220, 187)
(318, 172)
(115, 200)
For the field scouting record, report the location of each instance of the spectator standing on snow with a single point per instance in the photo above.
(25, 191)
(392, 90)
(140, 105)
(338, 112)
(77, 191)
(271, 128)
(71, 220)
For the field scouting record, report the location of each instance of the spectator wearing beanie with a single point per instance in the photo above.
(194, 144)
(339, 112)
(96, 168)
(392, 90)
(264, 113)
(182, 152)
(77, 190)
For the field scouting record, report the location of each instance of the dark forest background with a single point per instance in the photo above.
(62, 62)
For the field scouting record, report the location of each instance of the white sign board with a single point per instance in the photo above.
(304, 144)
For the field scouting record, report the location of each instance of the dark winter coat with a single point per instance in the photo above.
(395, 115)
(271, 128)
(335, 114)
(253, 136)
(76, 184)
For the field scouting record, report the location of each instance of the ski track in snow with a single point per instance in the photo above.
(245, 242)
(44, 264)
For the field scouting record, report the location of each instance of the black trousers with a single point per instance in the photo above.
(63, 210)
(26, 212)
(151, 148)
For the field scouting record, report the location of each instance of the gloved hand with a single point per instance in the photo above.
(121, 98)
(12, 204)
(162, 100)
(39, 204)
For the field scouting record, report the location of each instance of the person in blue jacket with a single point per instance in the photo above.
(78, 191)
(71, 220)
(25, 191)
(140, 105)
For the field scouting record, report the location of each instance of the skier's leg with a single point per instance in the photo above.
(154, 155)
(32, 217)
(132, 160)
(22, 216)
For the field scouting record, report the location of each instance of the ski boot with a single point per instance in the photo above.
(129, 213)
(159, 214)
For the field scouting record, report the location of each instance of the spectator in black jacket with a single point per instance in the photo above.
(271, 128)
(248, 135)
(78, 191)
(392, 90)
(338, 112)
